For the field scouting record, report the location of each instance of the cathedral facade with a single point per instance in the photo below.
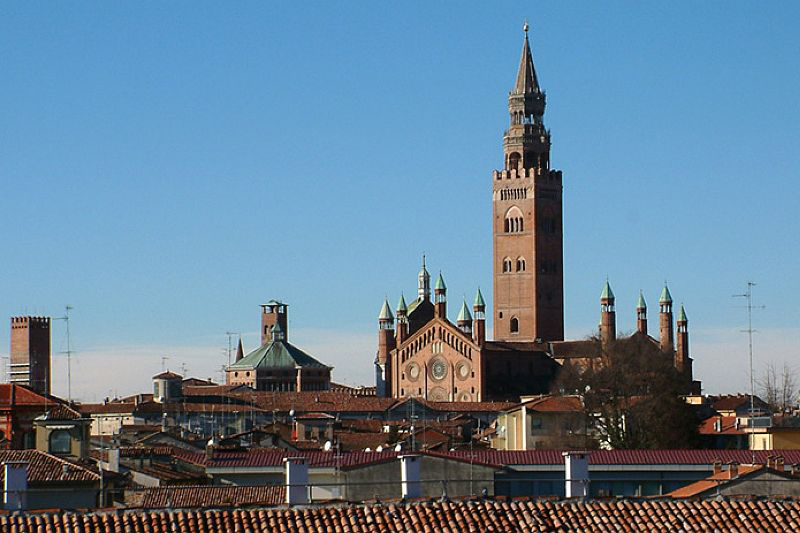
(421, 353)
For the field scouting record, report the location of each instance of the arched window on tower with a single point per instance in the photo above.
(514, 325)
(521, 264)
(514, 220)
(507, 264)
(513, 160)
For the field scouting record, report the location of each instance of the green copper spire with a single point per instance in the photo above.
(440, 286)
(479, 299)
(464, 315)
(682, 316)
(386, 312)
(641, 304)
(666, 297)
(607, 293)
(401, 305)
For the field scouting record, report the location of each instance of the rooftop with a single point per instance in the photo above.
(453, 516)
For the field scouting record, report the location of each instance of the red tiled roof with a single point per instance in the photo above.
(555, 404)
(734, 401)
(230, 496)
(632, 457)
(168, 375)
(713, 481)
(454, 516)
(46, 468)
(727, 426)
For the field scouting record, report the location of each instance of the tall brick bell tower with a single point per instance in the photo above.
(528, 239)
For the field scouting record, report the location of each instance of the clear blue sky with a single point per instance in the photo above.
(166, 167)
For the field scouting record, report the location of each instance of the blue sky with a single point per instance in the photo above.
(168, 167)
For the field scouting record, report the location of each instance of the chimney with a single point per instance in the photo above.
(113, 460)
(779, 463)
(576, 474)
(296, 481)
(733, 470)
(15, 485)
(409, 475)
(717, 467)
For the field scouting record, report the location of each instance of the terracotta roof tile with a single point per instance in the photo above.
(485, 515)
(233, 496)
(46, 468)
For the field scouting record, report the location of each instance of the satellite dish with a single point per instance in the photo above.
(291, 412)
(367, 449)
(379, 449)
(398, 447)
(328, 446)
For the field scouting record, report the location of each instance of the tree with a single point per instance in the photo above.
(779, 390)
(633, 395)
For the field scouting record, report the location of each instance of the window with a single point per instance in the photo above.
(60, 442)
(514, 220)
(521, 264)
(514, 325)
(507, 264)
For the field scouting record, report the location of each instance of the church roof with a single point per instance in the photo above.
(464, 314)
(526, 76)
(607, 293)
(386, 312)
(479, 299)
(666, 297)
(401, 305)
(277, 354)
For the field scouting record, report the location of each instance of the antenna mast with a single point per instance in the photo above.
(748, 295)
(65, 318)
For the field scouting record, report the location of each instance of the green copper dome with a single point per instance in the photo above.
(682, 316)
(607, 293)
(666, 297)
(440, 286)
(386, 312)
(464, 315)
(401, 305)
(641, 304)
(479, 299)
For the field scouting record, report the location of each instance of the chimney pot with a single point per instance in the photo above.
(576, 474)
(410, 475)
(296, 481)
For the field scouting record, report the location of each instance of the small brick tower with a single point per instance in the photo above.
(402, 320)
(464, 319)
(683, 362)
(608, 315)
(30, 352)
(479, 320)
(386, 343)
(527, 220)
(440, 297)
(641, 315)
(665, 320)
(272, 313)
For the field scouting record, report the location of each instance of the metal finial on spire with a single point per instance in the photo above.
(525, 27)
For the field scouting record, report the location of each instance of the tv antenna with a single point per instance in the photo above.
(230, 335)
(164, 362)
(65, 318)
(748, 295)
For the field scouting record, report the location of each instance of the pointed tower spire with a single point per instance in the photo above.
(440, 297)
(608, 316)
(641, 315)
(424, 280)
(479, 322)
(464, 319)
(239, 350)
(665, 320)
(526, 75)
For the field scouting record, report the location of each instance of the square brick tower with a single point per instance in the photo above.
(30, 352)
(528, 239)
